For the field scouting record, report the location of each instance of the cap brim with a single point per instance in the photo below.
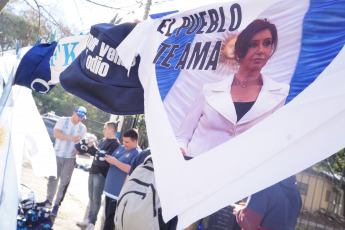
(81, 116)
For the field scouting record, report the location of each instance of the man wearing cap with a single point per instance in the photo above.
(67, 131)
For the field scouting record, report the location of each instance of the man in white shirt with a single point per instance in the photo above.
(67, 131)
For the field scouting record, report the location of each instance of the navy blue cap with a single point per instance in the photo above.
(98, 77)
(34, 70)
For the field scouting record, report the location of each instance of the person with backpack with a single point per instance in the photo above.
(139, 200)
(120, 163)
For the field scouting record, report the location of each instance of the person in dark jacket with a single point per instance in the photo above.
(98, 172)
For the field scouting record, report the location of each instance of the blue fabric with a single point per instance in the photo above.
(98, 77)
(34, 70)
(322, 39)
(166, 76)
(279, 205)
(96, 186)
(116, 177)
(200, 226)
(139, 160)
(159, 15)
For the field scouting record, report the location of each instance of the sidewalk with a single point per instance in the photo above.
(75, 202)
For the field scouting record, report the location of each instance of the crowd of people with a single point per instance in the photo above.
(221, 111)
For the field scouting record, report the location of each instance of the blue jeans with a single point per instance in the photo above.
(96, 187)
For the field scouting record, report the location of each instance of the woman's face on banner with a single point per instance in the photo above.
(259, 51)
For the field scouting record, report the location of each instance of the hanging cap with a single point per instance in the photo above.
(34, 70)
(98, 76)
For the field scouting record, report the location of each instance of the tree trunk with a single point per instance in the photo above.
(3, 3)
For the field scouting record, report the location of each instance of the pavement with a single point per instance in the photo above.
(75, 202)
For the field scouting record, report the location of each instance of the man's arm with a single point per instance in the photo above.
(60, 135)
(92, 148)
(113, 161)
(246, 218)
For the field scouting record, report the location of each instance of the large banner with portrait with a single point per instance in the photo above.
(215, 81)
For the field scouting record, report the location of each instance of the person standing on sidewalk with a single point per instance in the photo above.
(67, 131)
(120, 163)
(98, 172)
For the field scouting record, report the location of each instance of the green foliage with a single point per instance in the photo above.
(137, 121)
(334, 164)
(141, 126)
(15, 28)
(27, 27)
(63, 104)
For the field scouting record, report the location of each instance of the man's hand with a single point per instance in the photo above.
(75, 138)
(183, 151)
(237, 207)
(90, 144)
(111, 160)
(75, 153)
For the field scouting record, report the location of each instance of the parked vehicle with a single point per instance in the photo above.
(50, 120)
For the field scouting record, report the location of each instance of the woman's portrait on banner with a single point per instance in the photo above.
(228, 107)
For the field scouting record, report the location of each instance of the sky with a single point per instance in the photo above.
(80, 15)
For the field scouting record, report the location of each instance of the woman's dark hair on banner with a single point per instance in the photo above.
(243, 39)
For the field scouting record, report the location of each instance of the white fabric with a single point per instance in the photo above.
(23, 131)
(9, 62)
(307, 130)
(212, 119)
(66, 51)
(6, 64)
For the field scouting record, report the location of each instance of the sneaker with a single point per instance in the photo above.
(83, 223)
(45, 203)
(90, 227)
(55, 210)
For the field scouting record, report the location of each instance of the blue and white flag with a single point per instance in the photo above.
(21, 130)
(40, 68)
(183, 51)
(66, 51)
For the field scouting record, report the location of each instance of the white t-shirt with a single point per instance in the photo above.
(65, 148)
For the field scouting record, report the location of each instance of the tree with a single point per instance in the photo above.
(27, 25)
(335, 165)
(3, 3)
(15, 28)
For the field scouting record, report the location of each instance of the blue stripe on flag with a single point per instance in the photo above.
(68, 144)
(322, 39)
(159, 15)
(166, 77)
